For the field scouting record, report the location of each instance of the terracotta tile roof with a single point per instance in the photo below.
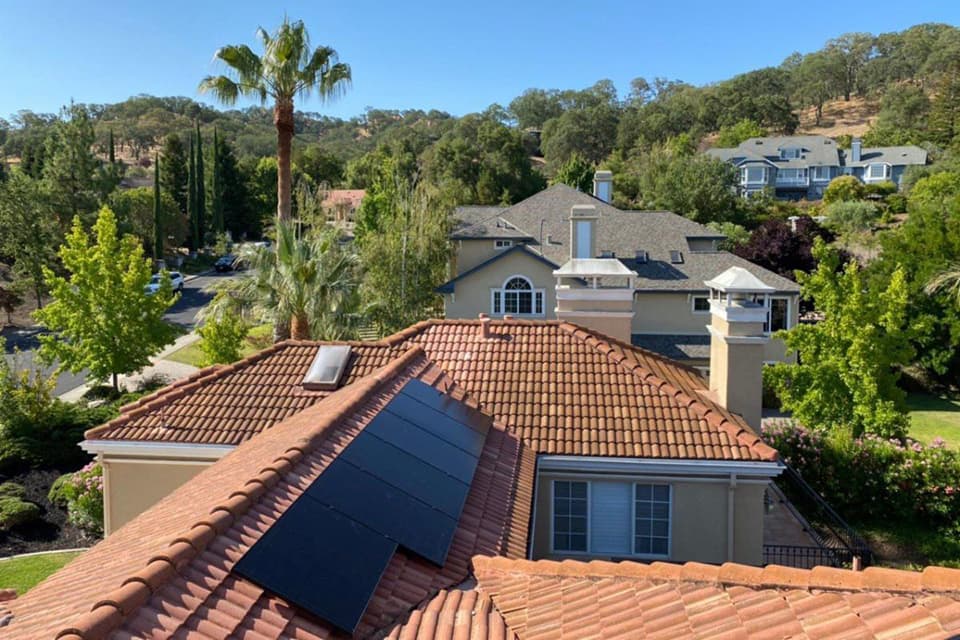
(463, 613)
(227, 405)
(560, 387)
(167, 572)
(567, 390)
(570, 599)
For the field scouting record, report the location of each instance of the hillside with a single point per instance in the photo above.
(840, 117)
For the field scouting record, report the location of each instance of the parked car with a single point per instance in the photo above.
(225, 263)
(176, 282)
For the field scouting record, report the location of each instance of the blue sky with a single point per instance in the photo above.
(458, 57)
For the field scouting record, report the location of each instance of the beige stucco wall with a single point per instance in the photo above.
(698, 528)
(470, 253)
(472, 294)
(132, 487)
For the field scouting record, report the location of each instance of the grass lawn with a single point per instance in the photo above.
(24, 573)
(934, 416)
(258, 338)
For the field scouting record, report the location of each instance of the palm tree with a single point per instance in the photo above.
(288, 68)
(947, 281)
(306, 286)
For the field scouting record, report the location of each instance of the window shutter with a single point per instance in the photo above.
(610, 514)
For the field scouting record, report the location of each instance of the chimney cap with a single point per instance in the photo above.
(583, 211)
(603, 174)
(738, 280)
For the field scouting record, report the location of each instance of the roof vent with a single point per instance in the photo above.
(606, 253)
(642, 256)
(327, 368)
(676, 257)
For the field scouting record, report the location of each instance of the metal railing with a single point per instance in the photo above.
(837, 544)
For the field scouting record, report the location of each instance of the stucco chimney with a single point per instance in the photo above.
(603, 186)
(855, 149)
(738, 305)
(583, 231)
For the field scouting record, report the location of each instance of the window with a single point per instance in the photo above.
(611, 518)
(790, 153)
(584, 241)
(778, 316)
(502, 244)
(821, 173)
(569, 516)
(701, 304)
(752, 175)
(877, 171)
(791, 175)
(651, 520)
(517, 296)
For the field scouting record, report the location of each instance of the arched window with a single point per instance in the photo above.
(517, 296)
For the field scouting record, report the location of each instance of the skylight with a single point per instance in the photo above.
(327, 368)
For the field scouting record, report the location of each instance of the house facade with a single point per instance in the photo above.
(801, 167)
(508, 261)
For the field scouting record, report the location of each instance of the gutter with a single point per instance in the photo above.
(647, 466)
(156, 450)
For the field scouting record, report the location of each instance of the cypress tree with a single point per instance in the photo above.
(111, 155)
(157, 226)
(192, 199)
(200, 188)
(216, 191)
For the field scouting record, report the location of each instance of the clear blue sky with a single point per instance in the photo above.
(458, 57)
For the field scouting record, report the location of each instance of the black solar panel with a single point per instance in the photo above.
(407, 473)
(402, 481)
(396, 514)
(321, 561)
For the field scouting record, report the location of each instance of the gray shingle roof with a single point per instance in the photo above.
(817, 151)
(906, 155)
(676, 347)
(624, 233)
(473, 221)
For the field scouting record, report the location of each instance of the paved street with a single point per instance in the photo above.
(184, 313)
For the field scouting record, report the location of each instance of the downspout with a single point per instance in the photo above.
(107, 528)
(731, 514)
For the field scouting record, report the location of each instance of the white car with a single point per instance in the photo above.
(176, 282)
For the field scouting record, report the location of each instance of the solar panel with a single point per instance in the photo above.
(407, 473)
(445, 404)
(396, 514)
(439, 424)
(422, 444)
(321, 561)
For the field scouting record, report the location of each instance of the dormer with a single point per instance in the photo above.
(790, 153)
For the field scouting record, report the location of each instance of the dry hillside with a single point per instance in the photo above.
(839, 117)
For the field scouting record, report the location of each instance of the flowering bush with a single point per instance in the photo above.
(82, 493)
(873, 477)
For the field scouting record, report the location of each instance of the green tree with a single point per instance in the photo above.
(134, 209)
(157, 245)
(577, 173)
(534, 107)
(216, 188)
(733, 135)
(944, 119)
(102, 319)
(851, 216)
(847, 373)
(28, 230)
(199, 190)
(939, 190)
(814, 81)
(196, 239)
(288, 68)
(698, 187)
(173, 170)
(843, 189)
(407, 259)
(70, 167)
(222, 334)
(851, 51)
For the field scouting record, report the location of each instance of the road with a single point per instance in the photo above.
(183, 313)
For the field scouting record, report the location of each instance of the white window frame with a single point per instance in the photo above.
(500, 245)
(789, 318)
(868, 173)
(790, 153)
(745, 175)
(820, 174)
(798, 175)
(536, 294)
(693, 305)
(632, 482)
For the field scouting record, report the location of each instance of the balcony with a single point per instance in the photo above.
(792, 181)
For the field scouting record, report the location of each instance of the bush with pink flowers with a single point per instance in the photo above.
(873, 477)
(81, 493)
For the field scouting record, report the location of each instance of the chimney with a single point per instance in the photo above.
(739, 303)
(484, 327)
(583, 218)
(603, 186)
(855, 150)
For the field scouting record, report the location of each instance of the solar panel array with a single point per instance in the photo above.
(402, 482)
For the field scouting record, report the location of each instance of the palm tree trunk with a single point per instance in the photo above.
(300, 327)
(283, 119)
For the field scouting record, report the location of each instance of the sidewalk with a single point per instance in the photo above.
(159, 367)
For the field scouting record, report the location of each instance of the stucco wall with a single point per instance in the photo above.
(132, 487)
(472, 294)
(698, 527)
(470, 253)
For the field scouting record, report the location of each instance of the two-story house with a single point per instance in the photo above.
(650, 269)
(801, 167)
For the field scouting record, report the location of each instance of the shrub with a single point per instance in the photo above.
(843, 189)
(84, 492)
(59, 494)
(872, 477)
(884, 188)
(896, 203)
(14, 512)
(849, 216)
(222, 338)
(12, 490)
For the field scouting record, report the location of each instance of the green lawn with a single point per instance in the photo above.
(24, 573)
(934, 416)
(258, 339)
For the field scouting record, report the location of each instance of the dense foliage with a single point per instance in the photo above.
(81, 492)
